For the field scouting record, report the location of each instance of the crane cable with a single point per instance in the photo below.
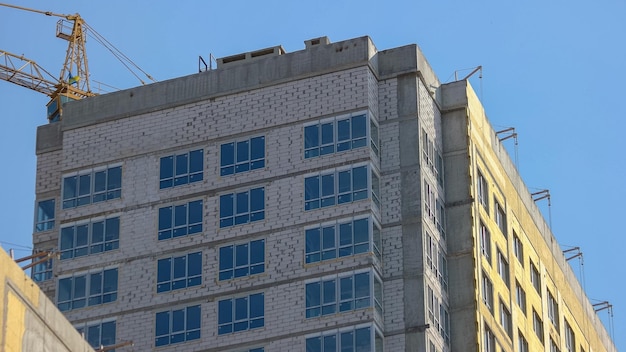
(123, 59)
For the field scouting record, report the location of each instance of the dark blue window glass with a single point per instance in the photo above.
(92, 187)
(311, 141)
(340, 187)
(179, 272)
(328, 190)
(92, 289)
(242, 260)
(328, 139)
(227, 211)
(242, 207)
(180, 220)
(89, 238)
(227, 159)
(359, 183)
(357, 340)
(69, 192)
(314, 344)
(359, 131)
(257, 153)
(312, 245)
(225, 317)
(241, 313)
(339, 240)
(166, 172)
(162, 329)
(311, 193)
(177, 326)
(242, 156)
(343, 135)
(181, 169)
(45, 215)
(336, 136)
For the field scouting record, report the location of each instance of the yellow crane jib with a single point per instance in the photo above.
(73, 82)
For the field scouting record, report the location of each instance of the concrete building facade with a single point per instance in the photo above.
(338, 198)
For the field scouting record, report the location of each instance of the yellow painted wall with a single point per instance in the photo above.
(28, 320)
(540, 247)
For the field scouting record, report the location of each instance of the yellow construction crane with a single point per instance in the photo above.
(73, 82)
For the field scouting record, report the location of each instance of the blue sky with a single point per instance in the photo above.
(553, 70)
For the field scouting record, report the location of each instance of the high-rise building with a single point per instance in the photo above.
(337, 198)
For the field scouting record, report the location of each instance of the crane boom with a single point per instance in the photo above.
(26, 73)
(73, 82)
(47, 13)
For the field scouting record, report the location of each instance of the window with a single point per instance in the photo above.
(431, 253)
(520, 296)
(336, 135)
(375, 189)
(442, 269)
(179, 272)
(429, 201)
(440, 217)
(92, 186)
(242, 313)
(522, 344)
(570, 338)
(485, 242)
(181, 169)
(378, 296)
(98, 334)
(537, 326)
(483, 192)
(242, 156)
(180, 220)
(505, 319)
(553, 310)
(339, 294)
(374, 141)
(242, 259)
(341, 239)
(95, 236)
(433, 308)
(553, 346)
(518, 248)
(444, 327)
(503, 268)
(336, 187)
(428, 150)
(500, 217)
(439, 168)
(42, 271)
(535, 279)
(487, 292)
(351, 339)
(89, 289)
(45, 215)
(177, 325)
(242, 207)
(489, 340)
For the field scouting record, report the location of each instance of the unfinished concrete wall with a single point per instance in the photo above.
(29, 321)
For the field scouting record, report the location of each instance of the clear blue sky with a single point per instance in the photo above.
(552, 69)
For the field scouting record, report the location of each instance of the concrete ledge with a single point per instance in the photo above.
(49, 138)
